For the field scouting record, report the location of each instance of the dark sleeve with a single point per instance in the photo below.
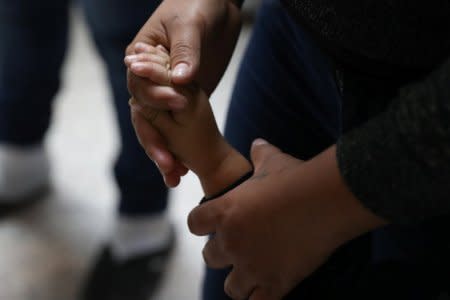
(398, 164)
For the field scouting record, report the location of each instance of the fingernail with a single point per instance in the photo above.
(143, 46)
(178, 103)
(130, 58)
(137, 66)
(258, 142)
(180, 70)
(162, 48)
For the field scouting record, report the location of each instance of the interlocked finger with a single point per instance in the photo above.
(150, 114)
(214, 256)
(238, 286)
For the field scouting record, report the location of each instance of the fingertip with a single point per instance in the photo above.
(260, 150)
(140, 47)
(259, 142)
(183, 171)
(180, 169)
(127, 60)
(162, 48)
(164, 162)
(185, 53)
(138, 67)
(130, 59)
(172, 180)
(192, 221)
(196, 221)
(181, 72)
(204, 219)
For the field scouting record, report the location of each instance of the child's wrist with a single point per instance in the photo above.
(229, 167)
(229, 188)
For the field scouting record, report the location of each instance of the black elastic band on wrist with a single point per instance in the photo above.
(228, 188)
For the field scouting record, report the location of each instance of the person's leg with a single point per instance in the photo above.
(286, 93)
(408, 261)
(142, 232)
(114, 23)
(33, 41)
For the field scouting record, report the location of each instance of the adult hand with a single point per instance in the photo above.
(279, 226)
(200, 36)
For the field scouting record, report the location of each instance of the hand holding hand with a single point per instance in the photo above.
(200, 36)
(191, 134)
(280, 225)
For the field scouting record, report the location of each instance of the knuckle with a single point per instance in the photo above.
(192, 222)
(129, 49)
(181, 50)
(232, 289)
(228, 288)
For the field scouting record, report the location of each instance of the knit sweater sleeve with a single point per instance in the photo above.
(398, 163)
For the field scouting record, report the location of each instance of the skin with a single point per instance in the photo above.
(201, 36)
(276, 228)
(282, 224)
(191, 134)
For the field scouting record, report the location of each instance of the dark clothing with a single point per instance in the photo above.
(32, 47)
(286, 92)
(385, 37)
(288, 96)
(398, 163)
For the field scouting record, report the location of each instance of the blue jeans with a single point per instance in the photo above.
(32, 47)
(287, 93)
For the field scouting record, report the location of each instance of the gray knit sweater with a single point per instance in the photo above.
(395, 57)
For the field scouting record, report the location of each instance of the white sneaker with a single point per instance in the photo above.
(24, 171)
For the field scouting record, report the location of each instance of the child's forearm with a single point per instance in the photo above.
(230, 167)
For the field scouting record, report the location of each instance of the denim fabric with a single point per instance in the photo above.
(32, 47)
(286, 93)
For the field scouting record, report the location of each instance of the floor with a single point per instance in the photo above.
(47, 249)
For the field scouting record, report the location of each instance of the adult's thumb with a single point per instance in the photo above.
(261, 151)
(185, 52)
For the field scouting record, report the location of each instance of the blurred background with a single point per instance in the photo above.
(47, 248)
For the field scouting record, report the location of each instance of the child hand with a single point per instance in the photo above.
(155, 77)
(151, 62)
(152, 67)
(191, 134)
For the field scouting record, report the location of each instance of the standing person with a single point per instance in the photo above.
(34, 41)
(389, 165)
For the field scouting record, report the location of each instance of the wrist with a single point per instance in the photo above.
(343, 213)
(229, 166)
